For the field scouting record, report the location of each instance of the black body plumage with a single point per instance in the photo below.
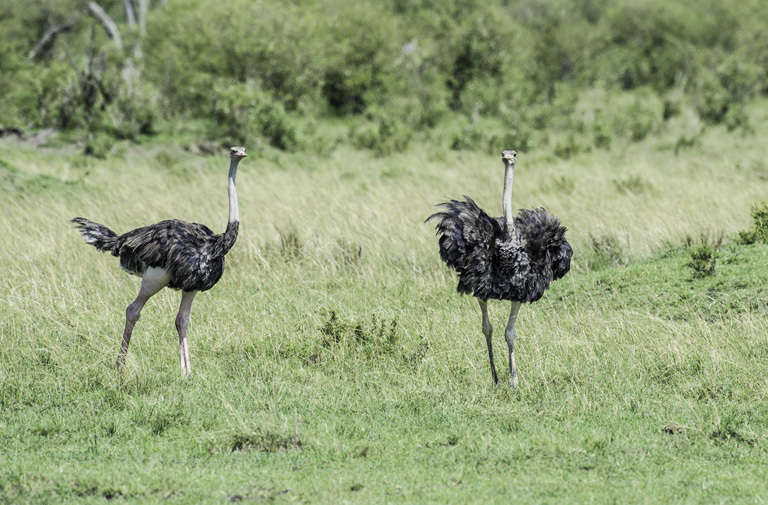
(494, 264)
(190, 252)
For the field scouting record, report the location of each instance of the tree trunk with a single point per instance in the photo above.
(130, 13)
(143, 8)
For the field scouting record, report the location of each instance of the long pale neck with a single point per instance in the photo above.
(234, 211)
(507, 198)
(229, 236)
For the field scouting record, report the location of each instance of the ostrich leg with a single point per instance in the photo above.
(182, 323)
(488, 332)
(509, 334)
(153, 280)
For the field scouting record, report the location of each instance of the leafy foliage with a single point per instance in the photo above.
(759, 232)
(384, 134)
(406, 65)
(703, 261)
(607, 251)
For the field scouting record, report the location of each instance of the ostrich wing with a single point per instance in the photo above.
(545, 240)
(167, 244)
(468, 236)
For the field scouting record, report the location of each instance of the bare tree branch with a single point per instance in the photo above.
(109, 25)
(50, 36)
(130, 13)
(143, 8)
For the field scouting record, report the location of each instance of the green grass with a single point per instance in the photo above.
(334, 363)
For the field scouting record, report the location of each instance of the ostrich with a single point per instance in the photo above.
(173, 253)
(506, 258)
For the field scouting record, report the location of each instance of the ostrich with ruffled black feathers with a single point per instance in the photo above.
(502, 258)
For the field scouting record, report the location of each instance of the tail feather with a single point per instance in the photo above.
(98, 235)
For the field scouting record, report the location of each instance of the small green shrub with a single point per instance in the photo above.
(564, 184)
(759, 232)
(98, 145)
(384, 135)
(601, 135)
(686, 142)
(703, 261)
(370, 337)
(348, 254)
(671, 109)
(737, 118)
(515, 137)
(714, 101)
(607, 251)
(641, 120)
(469, 138)
(633, 184)
(169, 162)
(730, 426)
(291, 246)
(568, 148)
(166, 160)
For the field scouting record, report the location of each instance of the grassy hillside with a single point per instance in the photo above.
(334, 362)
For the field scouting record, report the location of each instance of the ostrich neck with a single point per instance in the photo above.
(234, 211)
(507, 199)
(233, 225)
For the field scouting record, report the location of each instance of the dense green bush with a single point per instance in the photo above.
(244, 114)
(514, 136)
(606, 251)
(408, 66)
(655, 43)
(469, 137)
(492, 136)
(360, 69)
(383, 134)
(98, 144)
(568, 147)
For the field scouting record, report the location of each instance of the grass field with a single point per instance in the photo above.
(334, 362)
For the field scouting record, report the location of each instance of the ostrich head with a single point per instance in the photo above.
(237, 153)
(509, 156)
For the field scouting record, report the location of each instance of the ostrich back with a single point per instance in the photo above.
(492, 265)
(191, 252)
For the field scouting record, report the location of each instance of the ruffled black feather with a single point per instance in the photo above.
(493, 265)
(190, 252)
